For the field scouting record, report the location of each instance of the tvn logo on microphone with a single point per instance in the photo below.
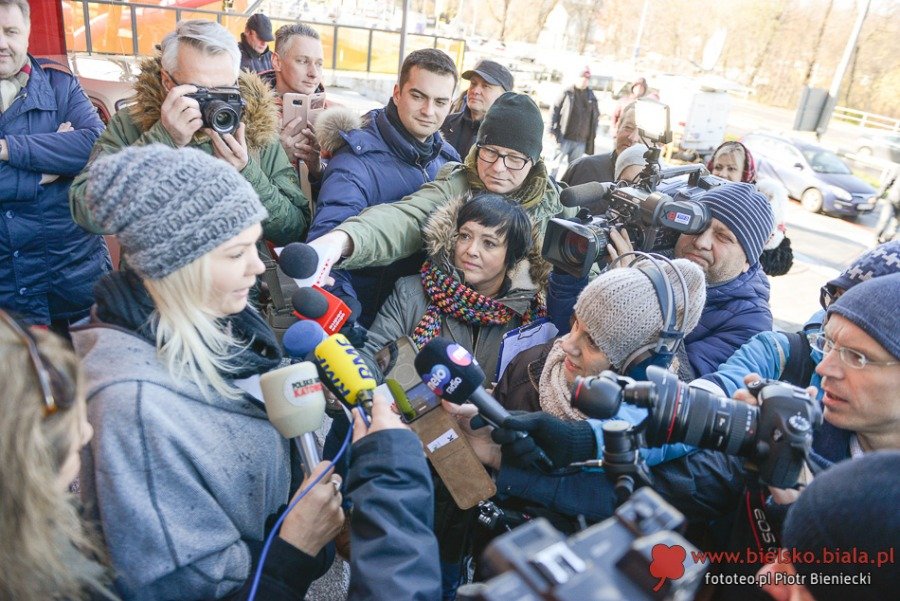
(439, 377)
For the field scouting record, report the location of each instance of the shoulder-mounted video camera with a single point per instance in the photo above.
(654, 211)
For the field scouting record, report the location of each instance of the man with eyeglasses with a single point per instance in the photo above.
(601, 167)
(203, 54)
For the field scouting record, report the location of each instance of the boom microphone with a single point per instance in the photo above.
(594, 196)
(319, 305)
(298, 260)
(302, 338)
(295, 405)
(348, 373)
(452, 373)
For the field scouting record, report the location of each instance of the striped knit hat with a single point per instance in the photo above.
(745, 212)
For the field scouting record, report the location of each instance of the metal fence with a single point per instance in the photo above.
(864, 119)
(131, 28)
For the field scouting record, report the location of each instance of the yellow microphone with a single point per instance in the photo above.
(348, 373)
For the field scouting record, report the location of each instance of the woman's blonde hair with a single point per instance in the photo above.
(44, 547)
(189, 337)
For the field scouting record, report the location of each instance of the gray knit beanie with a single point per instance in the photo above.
(872, 306)
(633, 155)
(851, 507)
(169, 207)
(621, 312)
(745, 212)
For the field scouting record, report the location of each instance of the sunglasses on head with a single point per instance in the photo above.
(52, 403)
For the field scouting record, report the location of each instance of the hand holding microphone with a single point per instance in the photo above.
(318, 517)
(320, 257)
(349, 375)
(564, 441)
(383, 418)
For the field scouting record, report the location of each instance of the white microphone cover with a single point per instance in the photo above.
(295, 401)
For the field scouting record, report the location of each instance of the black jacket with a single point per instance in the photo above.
(254, 61)
(562, 112)
(460, 131)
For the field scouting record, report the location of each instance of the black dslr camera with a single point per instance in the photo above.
(634, 555)
(654, 211)
(776, 436)
(221, 108)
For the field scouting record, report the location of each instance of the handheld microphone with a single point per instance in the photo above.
(594, 196)
(319, 305)
(348, 373)
(452, 373)
(302, 338)
(295, 405)
(298, 261)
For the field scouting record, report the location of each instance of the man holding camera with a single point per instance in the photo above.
(174, 95)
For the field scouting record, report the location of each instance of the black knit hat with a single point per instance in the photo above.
(514, 121)
(851, 507)
(745, 212)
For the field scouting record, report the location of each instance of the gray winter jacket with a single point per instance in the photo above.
(180, 484)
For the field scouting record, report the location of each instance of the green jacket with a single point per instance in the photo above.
(385, 233)
(268, 170)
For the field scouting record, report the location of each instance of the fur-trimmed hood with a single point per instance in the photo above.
(439, 236)
(332, 122)
(260, 115)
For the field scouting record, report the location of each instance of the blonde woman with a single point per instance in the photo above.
(45, 552)
(185, 473)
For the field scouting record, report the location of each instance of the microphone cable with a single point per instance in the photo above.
(265, 550)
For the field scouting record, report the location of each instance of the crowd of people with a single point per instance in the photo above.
(137, 459)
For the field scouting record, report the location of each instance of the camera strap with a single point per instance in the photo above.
(754, 527)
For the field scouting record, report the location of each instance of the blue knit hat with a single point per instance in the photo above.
(881, 260)
(872, 306)
(744, 211)
(851, 507)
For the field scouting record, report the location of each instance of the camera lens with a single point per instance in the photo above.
(695, 417)
(574, 248)
(221, 117)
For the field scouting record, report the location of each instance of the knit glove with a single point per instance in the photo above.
(562, 441)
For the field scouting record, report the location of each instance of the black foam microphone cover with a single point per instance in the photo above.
(592, 195)
(449, 370)
(298, 260)
(309, 303)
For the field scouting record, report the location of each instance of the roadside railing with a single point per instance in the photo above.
(131, 28)
(864, 119)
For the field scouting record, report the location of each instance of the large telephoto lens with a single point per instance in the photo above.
(679, 413)
(221, 117)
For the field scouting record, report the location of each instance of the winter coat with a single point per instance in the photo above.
(182, 483)
(48, 265)
(254, 61)
(460, 130)
(268, 170)
(386, 233)
(403, 310)
(734, 312)
(592, 168)
(372, 164)
(562, 112)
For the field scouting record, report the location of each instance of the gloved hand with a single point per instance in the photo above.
(356, 334)
(562, 441)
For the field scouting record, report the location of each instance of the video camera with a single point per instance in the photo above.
(775, 436)
(221, 108)
(654, 211)
(636, 554)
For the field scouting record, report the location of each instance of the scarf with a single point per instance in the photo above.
(528, 195)
(448, 296)
(554, 392)
(427, 150)
(123, 301)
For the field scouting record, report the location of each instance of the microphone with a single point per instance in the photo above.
(319, 305)
(295, 405)
(594, 196)
(452, 373)
(301, 339)
(298, 261)
(349, 375)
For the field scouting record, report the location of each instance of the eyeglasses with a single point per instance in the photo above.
(50, 404)
(849, 356)
(827, 295)
(511, 161)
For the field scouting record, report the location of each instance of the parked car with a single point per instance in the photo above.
(884, 146)
(814, 175)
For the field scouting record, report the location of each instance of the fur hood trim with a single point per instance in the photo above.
(439, 235)
(334, 122)
(260, 115)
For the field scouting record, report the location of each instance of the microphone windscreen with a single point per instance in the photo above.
(449, 370)
(309, 303)
(302, 337)
(342, 365)
(298, 260)
(591, 195)
(294, 399)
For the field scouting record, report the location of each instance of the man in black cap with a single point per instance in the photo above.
(254, 44)
(488, 81)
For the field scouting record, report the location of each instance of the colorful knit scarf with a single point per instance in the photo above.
(454, 299)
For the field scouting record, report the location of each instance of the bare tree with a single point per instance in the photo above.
(817, 44)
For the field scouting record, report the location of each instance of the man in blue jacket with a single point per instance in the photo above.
(392, 153)
(48, 265)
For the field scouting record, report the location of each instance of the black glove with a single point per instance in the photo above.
(562, 441)
(356, 334)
